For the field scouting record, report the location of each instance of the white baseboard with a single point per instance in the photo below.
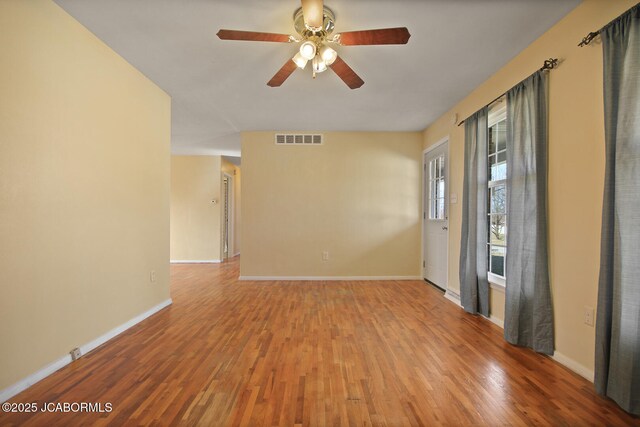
(27, 382)
(453, 297)
(236, 254)
(565, 361)
(319, 278)
(195, 261)
(495, 320)
(86, 348)
(576, 367)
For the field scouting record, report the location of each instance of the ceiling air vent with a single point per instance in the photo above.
(298, 139)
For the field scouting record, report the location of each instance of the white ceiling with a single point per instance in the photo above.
(218, 88)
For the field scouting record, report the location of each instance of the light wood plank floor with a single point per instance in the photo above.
(234, 353)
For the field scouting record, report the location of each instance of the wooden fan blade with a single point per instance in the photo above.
(312, 11)
(253, 36)
(283, 74)
(398, 35)
(346, 74)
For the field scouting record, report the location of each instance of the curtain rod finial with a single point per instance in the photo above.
(549, 64)
(588, 38)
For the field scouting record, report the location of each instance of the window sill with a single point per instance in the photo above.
(496, 282)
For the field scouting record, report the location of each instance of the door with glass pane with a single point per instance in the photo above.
(436, 215)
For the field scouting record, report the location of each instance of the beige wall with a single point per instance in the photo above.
(576, 167)
(357, 197)
(195, 220)
(84, 188)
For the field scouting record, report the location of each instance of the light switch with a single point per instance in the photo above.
(453, 198)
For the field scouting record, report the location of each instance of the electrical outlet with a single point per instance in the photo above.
(325, 255)
(589, 315)
(75, 354)
(152, 276)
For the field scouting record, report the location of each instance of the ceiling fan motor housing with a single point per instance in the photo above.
(328, 23)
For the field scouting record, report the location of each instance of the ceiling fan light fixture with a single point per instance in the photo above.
(314, 24)
(300, 61)
(308, 50)
(328, 55)
(318, 64)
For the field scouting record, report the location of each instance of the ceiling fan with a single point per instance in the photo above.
(314, 24)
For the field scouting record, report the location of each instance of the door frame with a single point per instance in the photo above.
(425, 202)
(229, 213)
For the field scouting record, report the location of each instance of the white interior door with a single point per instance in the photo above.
(436, 215)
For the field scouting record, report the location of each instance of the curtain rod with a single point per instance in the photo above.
(593, 34)
(549, 64)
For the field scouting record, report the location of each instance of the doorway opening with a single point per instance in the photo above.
(227, 216)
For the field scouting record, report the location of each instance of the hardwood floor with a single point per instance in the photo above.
(232, 353)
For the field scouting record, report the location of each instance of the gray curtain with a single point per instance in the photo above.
(528, 311)
(474, 288)
(617, 367)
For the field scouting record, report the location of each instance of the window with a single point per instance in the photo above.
(497, 195)
(436, 188)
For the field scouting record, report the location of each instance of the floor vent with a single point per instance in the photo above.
(299, 139)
